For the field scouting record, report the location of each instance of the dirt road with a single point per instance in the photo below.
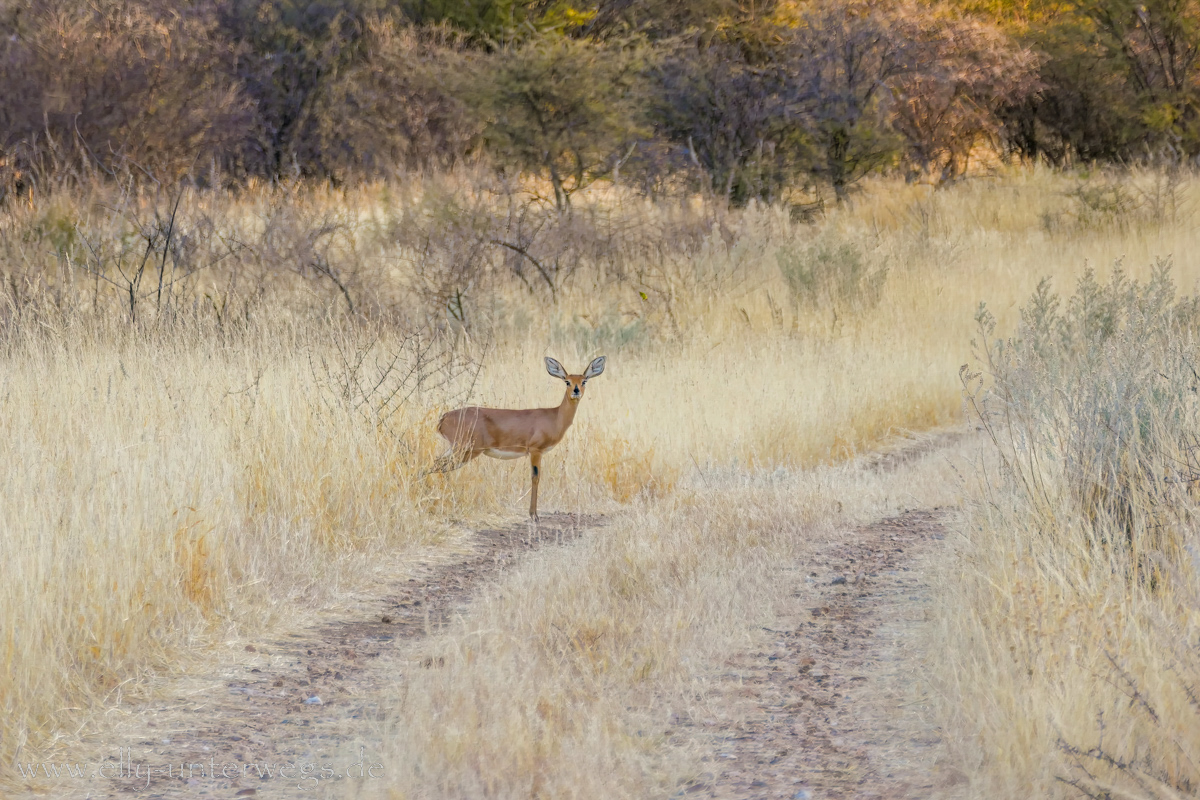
(309, 699)
(831, 709)
(834, 708)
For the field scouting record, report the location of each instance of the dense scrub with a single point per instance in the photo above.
(774, 101)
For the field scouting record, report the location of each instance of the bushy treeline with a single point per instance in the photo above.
(748, 98)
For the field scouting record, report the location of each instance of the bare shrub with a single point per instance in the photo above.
(155, 256)
(116, 84)
(373, 372)
(1164, 772)
(466, 235)
(392, 109)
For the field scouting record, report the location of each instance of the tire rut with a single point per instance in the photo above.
(833, 708)
(312, 691)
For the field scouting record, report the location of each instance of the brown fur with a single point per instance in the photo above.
(512, 433)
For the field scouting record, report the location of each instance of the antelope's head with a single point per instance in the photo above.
(575, 383)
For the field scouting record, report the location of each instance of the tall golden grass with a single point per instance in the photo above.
(194, 469)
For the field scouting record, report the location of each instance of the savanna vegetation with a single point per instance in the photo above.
(250, 251)
(776, 101)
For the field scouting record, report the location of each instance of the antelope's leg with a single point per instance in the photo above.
(535, 461)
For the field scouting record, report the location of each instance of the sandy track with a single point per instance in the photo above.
(833, 709)
(257, 712)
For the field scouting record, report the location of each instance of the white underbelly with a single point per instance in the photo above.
(494, 453)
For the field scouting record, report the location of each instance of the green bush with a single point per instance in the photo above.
(559, 108)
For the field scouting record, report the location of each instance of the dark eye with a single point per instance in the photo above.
(583, 383)
(568, 383)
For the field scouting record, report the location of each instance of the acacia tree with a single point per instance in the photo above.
(1114, 76)
(737, 111)
(968, 72)
(1158, 44)
(662, 19)
(837, 92)
(561, 108)
(292, 50)
(392, 107)
(852, 53)
(766, 102)
(1083, 107)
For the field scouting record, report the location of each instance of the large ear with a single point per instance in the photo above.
(594, 368)
(555, 368)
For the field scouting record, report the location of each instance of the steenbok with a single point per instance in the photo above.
(512, 433)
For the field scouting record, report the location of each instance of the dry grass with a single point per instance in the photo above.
(1073, 670)
(566, 678)
(185, 477)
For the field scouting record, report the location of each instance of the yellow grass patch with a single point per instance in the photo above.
(174, 482)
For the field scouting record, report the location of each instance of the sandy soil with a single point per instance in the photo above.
(834, 708)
